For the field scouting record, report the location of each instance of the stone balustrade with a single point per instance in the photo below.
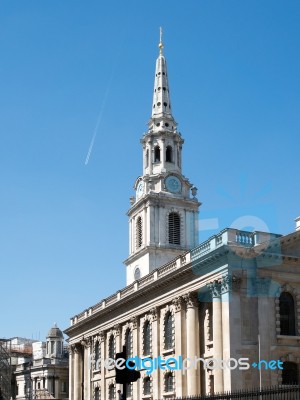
(227, 236)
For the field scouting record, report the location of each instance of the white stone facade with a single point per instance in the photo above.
(218, 309)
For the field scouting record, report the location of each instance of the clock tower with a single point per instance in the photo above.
(163, 217)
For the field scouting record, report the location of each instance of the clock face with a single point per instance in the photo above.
(140, 189)
(173, 184)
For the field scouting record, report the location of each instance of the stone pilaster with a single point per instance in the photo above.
(78, 372)
(135, 349)
(180, 379)
(86, 346)
(155, 351)
(71, 372)
(117, 329)
(225, 300)
(215, 288)
(192, 338)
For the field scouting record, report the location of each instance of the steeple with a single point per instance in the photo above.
(161, 117)
(164, 212)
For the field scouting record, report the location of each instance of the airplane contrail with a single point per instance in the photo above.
(98, 120)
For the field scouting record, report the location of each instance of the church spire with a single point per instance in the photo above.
(163, 215)
(161, 117)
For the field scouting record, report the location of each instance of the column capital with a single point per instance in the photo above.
(215, 288)
(226, 284)
(178, 303)
(86, 342)
(117, 329)
(133, 321)
(99, 337)
(76, 347)
(71, 349)
(191, 299)
(153, 312)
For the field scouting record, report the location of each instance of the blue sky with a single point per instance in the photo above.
(234, 78)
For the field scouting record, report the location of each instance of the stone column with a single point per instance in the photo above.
(215, 288)
(225, 301)
(180, 379)
(135, 347)
(192, 336)
(262, 288)
(57, 388)
(102, 369)
(77, 372)
(155, 349)
(86, 346)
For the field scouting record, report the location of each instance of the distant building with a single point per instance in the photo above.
(39, 370)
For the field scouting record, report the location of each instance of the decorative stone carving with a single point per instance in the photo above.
(215, 288)
(178, 303)
(225, 284)
(71, 349)
(154, 311)
(86, 342)
(117, 329)
(134, 322)
(191, 299)
(77, 347)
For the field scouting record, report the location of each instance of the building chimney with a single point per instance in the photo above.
(297, 223)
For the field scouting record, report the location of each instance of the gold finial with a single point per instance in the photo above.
(161, 46)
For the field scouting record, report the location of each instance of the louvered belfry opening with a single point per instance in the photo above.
(139, 233)
(174, 228)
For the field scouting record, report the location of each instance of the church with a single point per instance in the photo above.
(223, 314)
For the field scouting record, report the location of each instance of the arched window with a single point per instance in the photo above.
(147, 338)
(128, 343)
(111, 392)
(169, 154)
(59, 348)
(147, 385)
(168, 331)
(139, 233)
(174, 228)
(97, 393)
(97, 352)
(111, 347)
(156, 154)
(169, 382)
(290, 373)
(287, 314)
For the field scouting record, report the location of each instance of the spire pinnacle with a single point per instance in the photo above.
(160, 45)
(161, 117)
